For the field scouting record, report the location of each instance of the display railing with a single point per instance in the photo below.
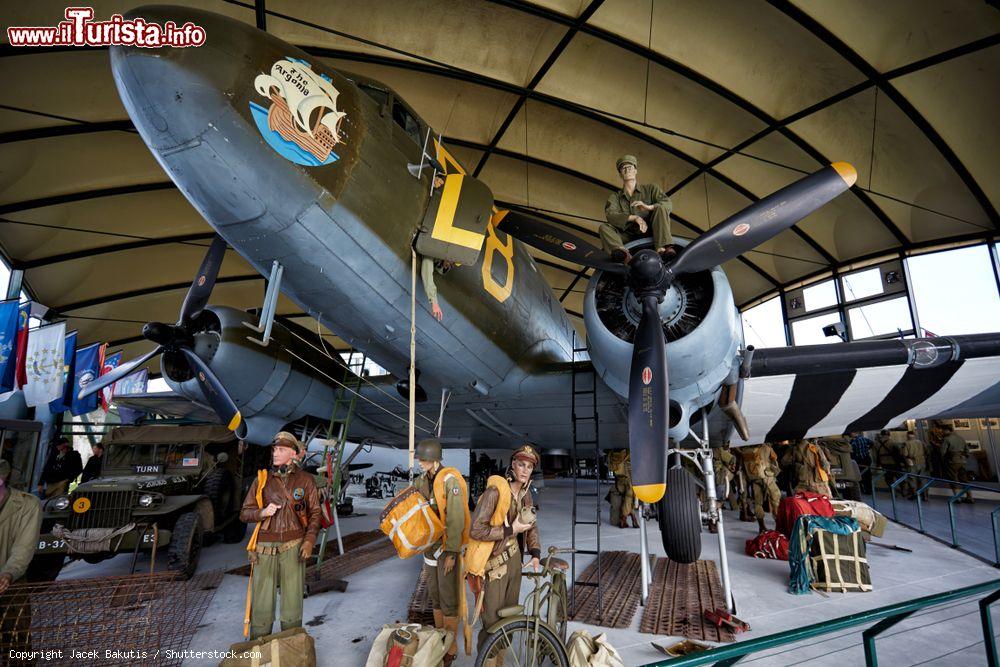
(883, 618)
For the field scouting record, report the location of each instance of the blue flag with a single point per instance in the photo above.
(8, 343)
(88, 369)
(63, 404)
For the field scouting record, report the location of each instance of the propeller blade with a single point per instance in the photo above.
(764, 219)
(117, 374)
(648, 402)
(216, 395)
(556, 241)
(197, 297)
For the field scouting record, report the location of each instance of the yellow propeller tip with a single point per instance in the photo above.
(649, 493)
(847, 172)
(234, 423)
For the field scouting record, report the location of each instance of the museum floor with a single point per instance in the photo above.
(344, 624)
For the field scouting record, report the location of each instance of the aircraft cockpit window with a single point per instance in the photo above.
(380, 96)
(405, 120)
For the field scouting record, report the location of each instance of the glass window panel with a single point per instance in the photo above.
(861, 284)
(810, 331)
(763, 326)
(820, 296)
(955, 291)
(880, 318)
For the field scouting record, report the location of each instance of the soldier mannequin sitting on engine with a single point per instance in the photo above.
(633, 211)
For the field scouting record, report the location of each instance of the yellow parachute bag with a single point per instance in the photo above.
(411, 523)
(477, 554)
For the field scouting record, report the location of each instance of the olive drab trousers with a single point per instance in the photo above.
(442, 588)
(500, 593)
(658, 221)
(270, 571)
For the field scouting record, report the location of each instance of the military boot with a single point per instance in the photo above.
(451, 625)
(761, 526)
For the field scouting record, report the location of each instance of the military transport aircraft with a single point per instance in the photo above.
(333, 176)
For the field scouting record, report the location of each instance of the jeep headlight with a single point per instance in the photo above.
(60, 503)
(146, 500)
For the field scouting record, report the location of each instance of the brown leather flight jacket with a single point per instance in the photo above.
(482, 530)
(300, 498)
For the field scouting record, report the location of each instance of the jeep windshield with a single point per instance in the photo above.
(152, 458)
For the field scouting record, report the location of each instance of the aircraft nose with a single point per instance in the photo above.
(173, 94)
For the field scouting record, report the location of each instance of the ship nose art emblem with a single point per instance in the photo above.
(298, 115)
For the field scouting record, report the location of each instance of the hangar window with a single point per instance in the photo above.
(862, 284)
(809, 331)
(402, 116)
(891, 316)
(763, 326)
(381, 97)
(820, 296)
(955, 291)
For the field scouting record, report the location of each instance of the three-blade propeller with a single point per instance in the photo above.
(176, 341)
(649, 278)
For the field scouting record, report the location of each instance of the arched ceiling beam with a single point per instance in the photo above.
(579, 22)
(718, 89)
(850, 55)
(103, 250)
(55, 200)
(146, 291)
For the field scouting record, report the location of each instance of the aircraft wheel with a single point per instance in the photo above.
(680, 517)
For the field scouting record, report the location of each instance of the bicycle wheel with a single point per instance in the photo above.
(556, 607)
(516, 641)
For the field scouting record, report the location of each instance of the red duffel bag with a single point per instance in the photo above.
(769, 544)
(803, 502)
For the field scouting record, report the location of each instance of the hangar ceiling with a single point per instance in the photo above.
(723, 102)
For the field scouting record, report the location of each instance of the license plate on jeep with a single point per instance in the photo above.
(47, 543)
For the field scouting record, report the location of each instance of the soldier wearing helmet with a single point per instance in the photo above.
(441, 560)
(517, 535)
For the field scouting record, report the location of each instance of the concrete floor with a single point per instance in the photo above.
(344, 624)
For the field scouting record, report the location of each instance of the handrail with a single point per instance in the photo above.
(943, 480)
(879, 473)
(886, 617)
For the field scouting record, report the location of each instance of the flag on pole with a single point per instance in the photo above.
(44, 365)
(63, 403)
(111, 362)
(8, 343)
(131, 384)
(23, 317)
(86, 369)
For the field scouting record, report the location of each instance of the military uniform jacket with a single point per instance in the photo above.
(954, 446)
(482, 530)
(284, 526)
(20, 521)
(914, 450)
(760, 461)
(619, 205)
(454, 522)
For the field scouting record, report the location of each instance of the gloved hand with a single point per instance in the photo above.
(305, 550)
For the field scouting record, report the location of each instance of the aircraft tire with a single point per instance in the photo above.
(680, 517)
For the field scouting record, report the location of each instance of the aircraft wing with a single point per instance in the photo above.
(168, 404)
(817, 390)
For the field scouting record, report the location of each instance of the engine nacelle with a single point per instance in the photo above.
(273, 385)
(701, 327)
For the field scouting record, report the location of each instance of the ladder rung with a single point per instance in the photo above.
(584, 391)
(585, 442)
(580, 419)
(588, 493)
(585, 523)
(587, 552)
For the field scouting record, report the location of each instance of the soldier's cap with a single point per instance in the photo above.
(626, 159)
(4, 468)
(526, 453)
(286, 439)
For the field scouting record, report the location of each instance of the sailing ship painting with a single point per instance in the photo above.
(302, 123)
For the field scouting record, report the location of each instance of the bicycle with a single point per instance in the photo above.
(529, 636)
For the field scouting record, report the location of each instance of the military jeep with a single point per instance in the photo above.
(175, 487)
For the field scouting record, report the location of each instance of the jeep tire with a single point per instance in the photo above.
(234, 531)
(45, 567)
(185, 544)
(220, 489)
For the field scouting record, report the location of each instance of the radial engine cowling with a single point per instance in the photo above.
(271, 385)
(702, 332)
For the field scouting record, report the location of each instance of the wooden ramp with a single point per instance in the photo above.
(621, 590)
(678, 599)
